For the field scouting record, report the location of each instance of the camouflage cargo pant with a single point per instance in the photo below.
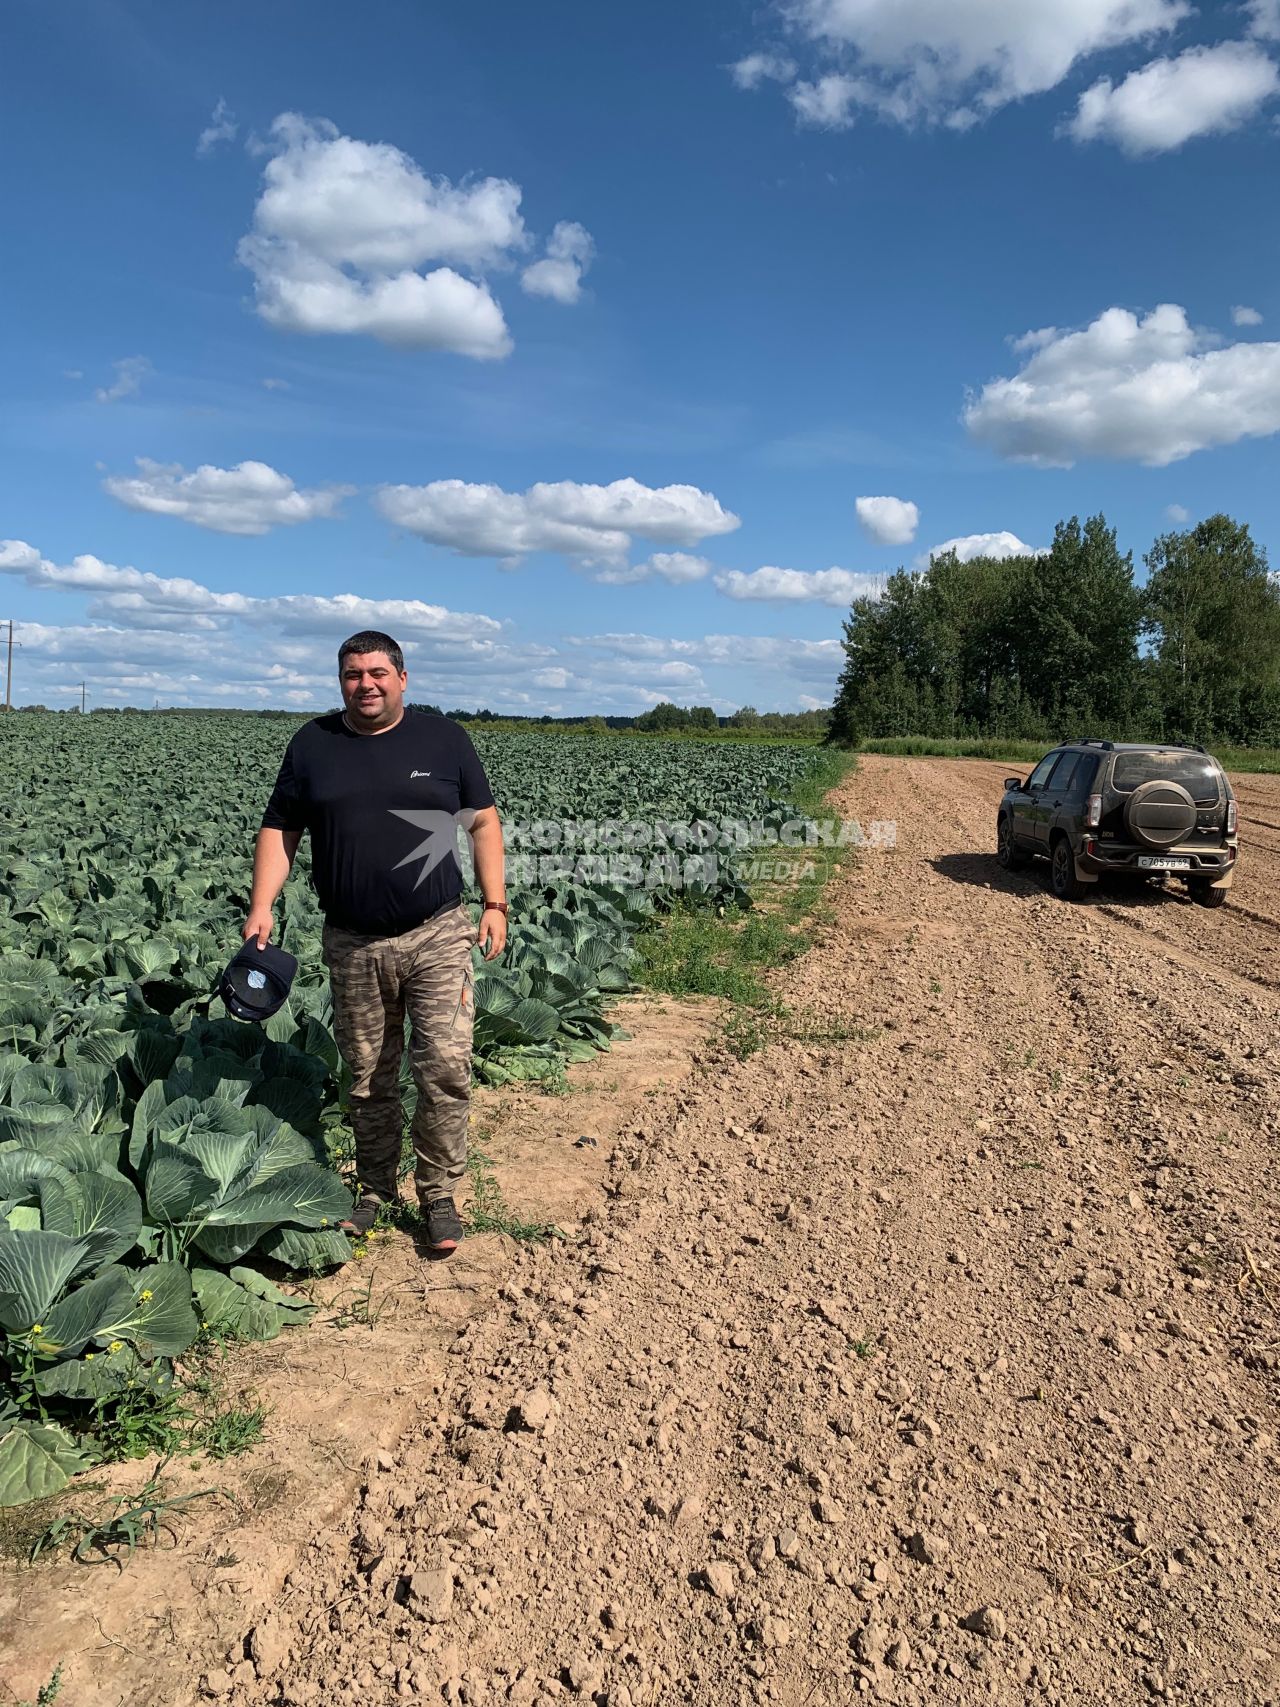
(376, 981)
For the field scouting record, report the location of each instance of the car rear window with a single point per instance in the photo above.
(1085, 773)
(1197, 773)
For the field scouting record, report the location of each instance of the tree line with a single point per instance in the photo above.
(1067, 643)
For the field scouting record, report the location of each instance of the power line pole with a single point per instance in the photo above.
(8, 674)
(82, 698)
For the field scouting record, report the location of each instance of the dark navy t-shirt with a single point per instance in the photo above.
(381, 810)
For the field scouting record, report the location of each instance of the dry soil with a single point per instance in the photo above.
(930, 1354)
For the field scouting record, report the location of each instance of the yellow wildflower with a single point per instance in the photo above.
(89, 1356)
(116, 1345)
(37, 1328)
(144, 1297)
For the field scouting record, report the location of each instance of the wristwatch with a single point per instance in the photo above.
(496, 907)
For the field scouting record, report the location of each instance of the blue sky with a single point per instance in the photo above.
(662, 292)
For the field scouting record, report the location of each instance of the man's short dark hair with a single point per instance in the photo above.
(371, 640)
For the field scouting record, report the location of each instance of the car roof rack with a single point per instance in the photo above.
(1107, 746)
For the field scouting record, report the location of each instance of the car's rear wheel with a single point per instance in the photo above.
(1062, 872)
(1008, 853)
(1205, 895)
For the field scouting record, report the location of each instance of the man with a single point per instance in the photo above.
(381, 788)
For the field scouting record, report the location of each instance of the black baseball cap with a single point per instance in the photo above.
(257, 982)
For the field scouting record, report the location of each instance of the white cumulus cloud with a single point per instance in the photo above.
(676, 568)
(222, 127)
(1203, 91)
(141, 599)
(1178, 513)
(1264, 19)
(594, 524)
(971, 545)
(570, 251)
(952, 62)
(1243, 316)
(130, 374)
(149, 636)
(891, 521)
(1151, 390)
(354, 237)
(250, 498)
(795, 586)
(757, 68)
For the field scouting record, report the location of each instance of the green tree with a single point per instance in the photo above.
(663, 716)
(885, 650)
(1212, 616)
(1078, 630)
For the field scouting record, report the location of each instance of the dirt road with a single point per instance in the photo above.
(936, 1360)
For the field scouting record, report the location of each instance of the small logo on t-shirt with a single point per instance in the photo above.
(412, 774)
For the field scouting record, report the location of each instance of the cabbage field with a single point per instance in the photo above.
(162, 1166)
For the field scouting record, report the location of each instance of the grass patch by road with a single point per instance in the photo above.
(727, 955)
(1259, 759)
(711, 954)
(926, 747)
(696, 953)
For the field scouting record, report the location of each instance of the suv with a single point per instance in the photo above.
(1137, 808)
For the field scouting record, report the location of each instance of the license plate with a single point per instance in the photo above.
(1149, 862)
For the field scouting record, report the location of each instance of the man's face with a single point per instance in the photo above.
(372, 689)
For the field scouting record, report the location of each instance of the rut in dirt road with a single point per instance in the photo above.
(937, 1362)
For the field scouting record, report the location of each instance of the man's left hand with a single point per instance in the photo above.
(492, 935)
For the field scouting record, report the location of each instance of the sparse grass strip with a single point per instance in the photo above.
(131, 1521)
(488, 1211)
(1016, 752)
(230, 1430)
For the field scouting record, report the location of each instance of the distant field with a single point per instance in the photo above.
(1027, 752)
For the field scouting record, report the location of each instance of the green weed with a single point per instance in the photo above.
(229, 1431)
(356, 1308)
(131, 1521)
(136, 1424)
(220, 1425)
(488, 1211)
(49, 1692)
(746, 1033)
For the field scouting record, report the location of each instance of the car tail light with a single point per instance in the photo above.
(1093, 817)
(1231, 817)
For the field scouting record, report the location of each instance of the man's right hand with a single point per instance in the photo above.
(260, 923)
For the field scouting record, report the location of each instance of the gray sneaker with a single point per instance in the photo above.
(443, 1226)
(361, 1219)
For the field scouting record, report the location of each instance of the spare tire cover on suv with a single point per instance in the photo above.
(1159, 814)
